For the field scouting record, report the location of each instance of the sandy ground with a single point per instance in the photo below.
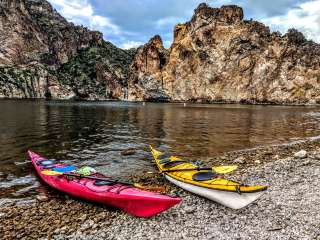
(289, 210)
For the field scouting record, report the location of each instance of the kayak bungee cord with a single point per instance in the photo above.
(78, 176)
(121, 188)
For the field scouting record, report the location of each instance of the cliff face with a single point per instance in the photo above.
(146, 72)
(43, 55)
(218, 56)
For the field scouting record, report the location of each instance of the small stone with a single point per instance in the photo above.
(317, 156)
(276, 157)
(266, 153)
(63, 229)
(128, 152)
(190, 210)
(306, 163)
(240, 160)
(42, 198)
(301, 154)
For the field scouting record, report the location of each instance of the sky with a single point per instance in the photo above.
(130, 23)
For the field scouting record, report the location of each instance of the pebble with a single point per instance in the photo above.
(239, 160)
(301, 154)
(190, 210)
(317, 156)
(42, 198)
(276, 157)
(128, 152)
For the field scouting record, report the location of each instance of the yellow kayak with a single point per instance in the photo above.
(206, 183)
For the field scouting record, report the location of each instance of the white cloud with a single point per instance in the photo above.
(131, 44)
(162, 22)
(305, 17)
(81, 12)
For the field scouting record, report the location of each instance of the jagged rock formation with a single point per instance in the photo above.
(218, 56)
(146, 72)
(43, 55)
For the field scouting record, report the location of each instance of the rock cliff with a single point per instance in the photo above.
(44, 56)
(146, 81)
(219, 57)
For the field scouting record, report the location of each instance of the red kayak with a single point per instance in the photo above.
(132, 200)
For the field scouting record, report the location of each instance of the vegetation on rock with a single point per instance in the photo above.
(65, 61)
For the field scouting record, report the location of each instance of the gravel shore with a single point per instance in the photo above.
(289, 210)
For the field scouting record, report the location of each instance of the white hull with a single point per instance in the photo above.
(229, 199)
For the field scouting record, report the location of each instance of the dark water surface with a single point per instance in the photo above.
(95, 134)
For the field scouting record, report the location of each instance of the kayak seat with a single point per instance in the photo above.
(163, 156)
(46, 162)
(172, 164)
(203, 176)
(48, 166)
(100, 183)
(165, 160)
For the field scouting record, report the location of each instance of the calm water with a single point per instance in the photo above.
(95, 134)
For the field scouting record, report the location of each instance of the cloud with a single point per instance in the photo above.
(162, 22)
(305, 17)
(269, 8)
(131, 44)
(142, 19)
(81, 12)
(128, 23)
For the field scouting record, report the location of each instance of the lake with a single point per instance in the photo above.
(97, 133)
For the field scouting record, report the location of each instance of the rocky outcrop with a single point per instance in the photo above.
(215, 57)
(97, 72)
(146, 72)
(44, 56)
(218, 56)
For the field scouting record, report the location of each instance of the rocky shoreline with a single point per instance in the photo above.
(289, 209)
(75, 99)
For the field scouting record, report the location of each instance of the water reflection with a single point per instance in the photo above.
(96, 133)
